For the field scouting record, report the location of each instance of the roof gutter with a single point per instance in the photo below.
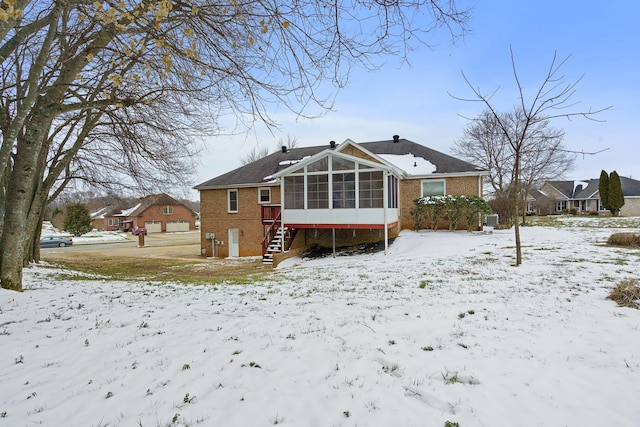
(246, 185)
(449, 175)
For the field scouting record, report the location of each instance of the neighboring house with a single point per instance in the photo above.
(97, 218)
(157, 213)
(327, 195)
(556, 197)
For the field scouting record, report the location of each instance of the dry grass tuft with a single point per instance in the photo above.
(626, 293)
(631, 240)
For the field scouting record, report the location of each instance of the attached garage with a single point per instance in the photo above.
(177, 226)
(153, 227)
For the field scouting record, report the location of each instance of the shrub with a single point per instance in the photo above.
(433, 209)
(626, 293)
(625, 239)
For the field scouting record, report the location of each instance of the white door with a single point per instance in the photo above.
(153, 227)
(234, 244)
(177, 226)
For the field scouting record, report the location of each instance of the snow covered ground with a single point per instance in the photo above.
(86, 239)
(442, 328)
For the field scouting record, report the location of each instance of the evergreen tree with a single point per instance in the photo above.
(78, 220)
(603, 188)
(616, 197)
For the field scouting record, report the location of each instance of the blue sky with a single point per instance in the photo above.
(602, 40)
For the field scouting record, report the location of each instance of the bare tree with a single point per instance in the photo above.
(528, 125)
(290, 142)
(93, 63)
(256, 153)
(543, 157)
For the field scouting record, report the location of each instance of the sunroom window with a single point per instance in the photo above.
(371, 194)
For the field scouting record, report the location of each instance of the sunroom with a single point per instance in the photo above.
(333, 190)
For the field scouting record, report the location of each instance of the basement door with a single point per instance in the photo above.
(234, 243)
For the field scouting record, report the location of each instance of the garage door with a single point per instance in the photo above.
(153, 227)
(177, 226)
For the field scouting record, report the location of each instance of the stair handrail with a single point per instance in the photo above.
(270, 232)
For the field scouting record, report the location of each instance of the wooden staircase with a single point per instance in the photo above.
(281, 241)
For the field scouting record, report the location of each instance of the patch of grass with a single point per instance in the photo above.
(626, 293)
(251, 365)
(390, 369)
(100, 266)
(450, 377)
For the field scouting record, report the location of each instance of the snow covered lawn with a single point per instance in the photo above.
(442, 328)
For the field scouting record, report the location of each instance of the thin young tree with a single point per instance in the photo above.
(97, 59)
(525, 127)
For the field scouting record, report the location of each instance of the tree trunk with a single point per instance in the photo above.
(21, 189)
(34, 229)
(517, 208)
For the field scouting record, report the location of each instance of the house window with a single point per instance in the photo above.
(167, 210)
(294, 192)
(232, 202)
(110, 221)
(371, 193)
(264, 195)
(433, 188)
(561, 205)
(318, 191)
(344, 190)
(392, 192)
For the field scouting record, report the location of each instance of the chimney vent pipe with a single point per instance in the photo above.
(396, 138)
(284, 148)
(332, 144)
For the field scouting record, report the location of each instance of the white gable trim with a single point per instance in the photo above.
(385, 166)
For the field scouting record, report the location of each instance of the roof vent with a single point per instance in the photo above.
(396, 138)
(284, 148)
(332, 144)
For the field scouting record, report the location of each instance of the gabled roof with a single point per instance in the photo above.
(377, 163)
(152, 200)
(255, 173)
(589, 189)
(100, 213)
(143, 204)
(566, 188)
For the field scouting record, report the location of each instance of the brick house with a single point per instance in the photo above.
(555, 197)
(327, 195)
(157, 213)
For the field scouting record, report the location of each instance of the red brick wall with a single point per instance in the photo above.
(410, 189)
(155, 213)
(215, 218)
